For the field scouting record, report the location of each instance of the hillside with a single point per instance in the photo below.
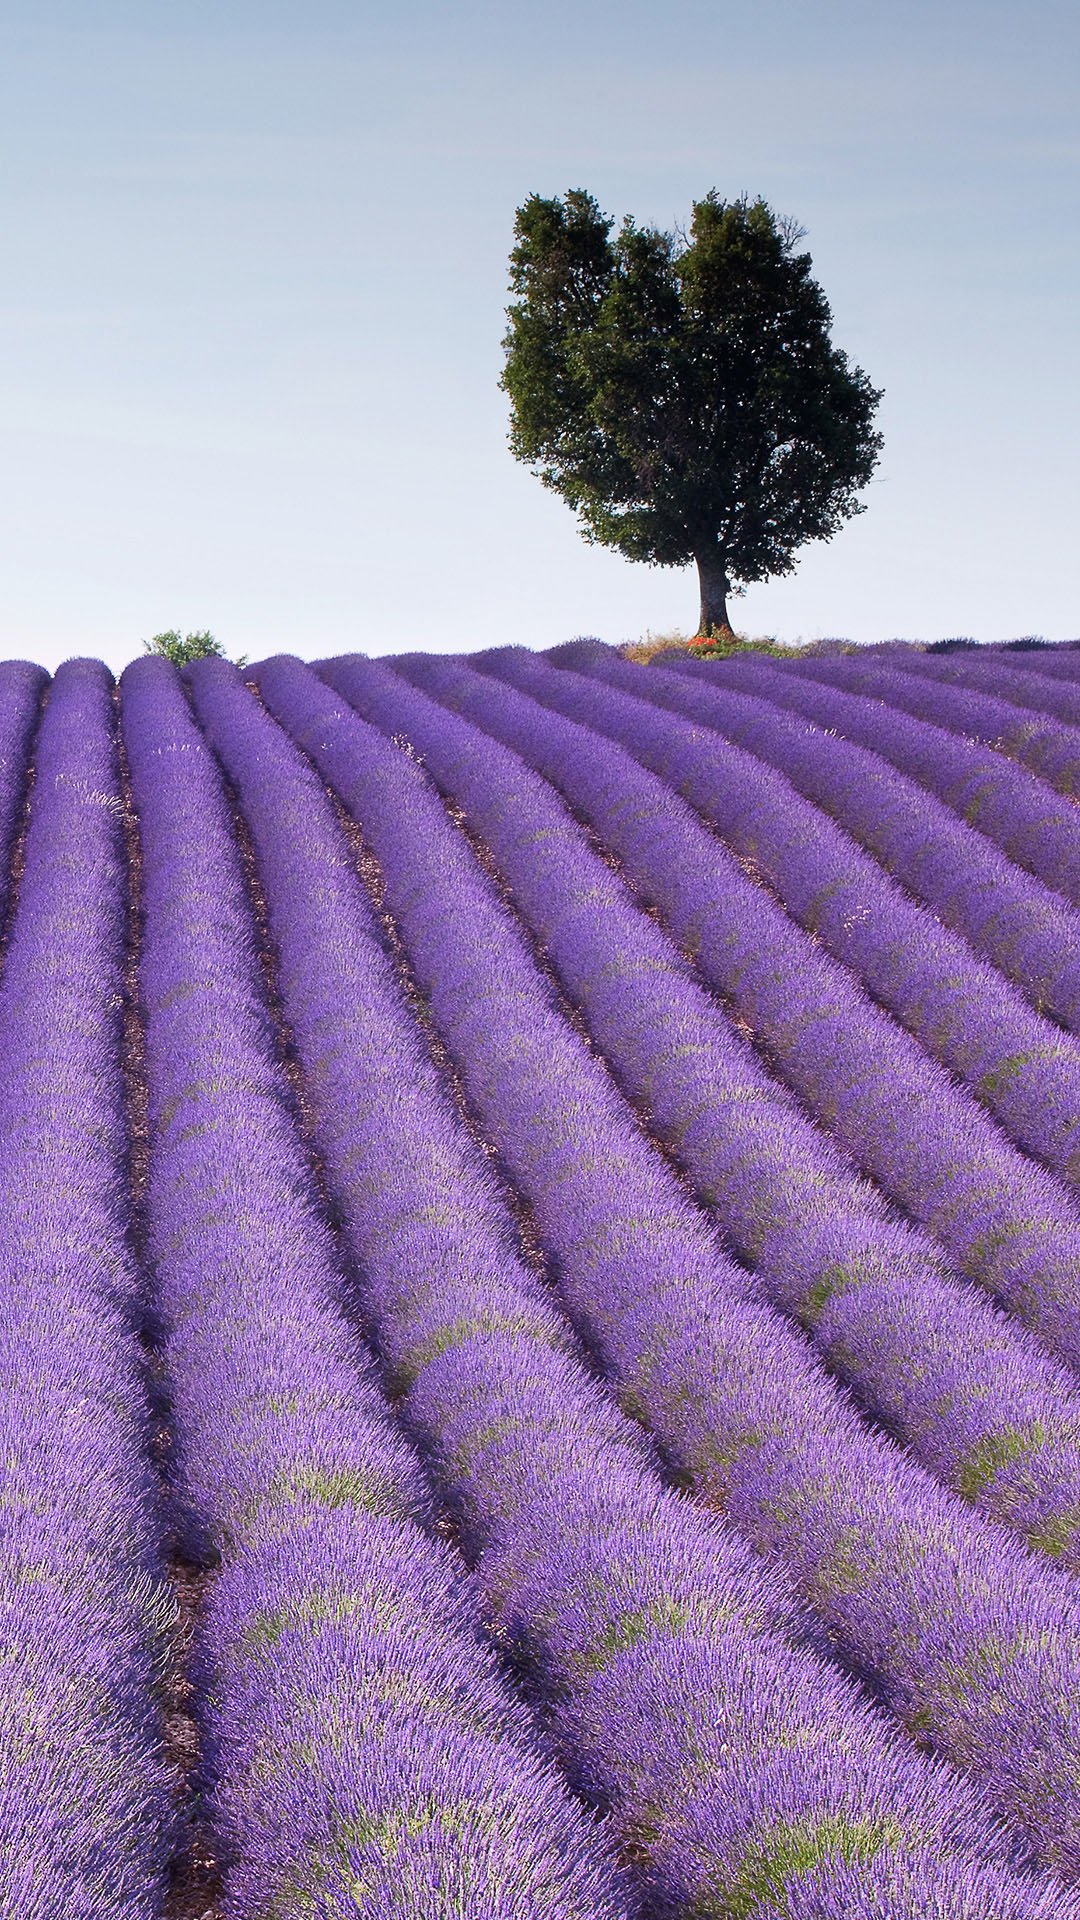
(541, 1250)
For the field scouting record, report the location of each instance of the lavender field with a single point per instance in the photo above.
(541, 1288)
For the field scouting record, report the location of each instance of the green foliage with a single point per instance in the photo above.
(179, 648)
(996, 1451)
(662, 1615)
(681, 392)
(788, 1850)
(1057, 1533)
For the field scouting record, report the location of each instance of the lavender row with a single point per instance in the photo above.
(995, 674)
(86, 1818)
(1035, 827)
(976, 1399)
(743, 1411)
(22, 688)
(1005, 1222)
(738, 1770)
(361, 1746)
(1046, 747)
(1017, 1064)
(1026, 931)
(1060, 661)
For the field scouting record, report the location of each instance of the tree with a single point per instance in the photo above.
(681, 392)
(179, 649)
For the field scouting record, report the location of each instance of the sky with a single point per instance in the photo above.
(253, 280)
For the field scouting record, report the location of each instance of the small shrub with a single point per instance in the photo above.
(646, 649)
(180, 648)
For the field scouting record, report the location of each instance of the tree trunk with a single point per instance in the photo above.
(715, 587)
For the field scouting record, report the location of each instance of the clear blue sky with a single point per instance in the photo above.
(253, 274)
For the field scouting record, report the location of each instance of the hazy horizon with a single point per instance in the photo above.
(255, 288)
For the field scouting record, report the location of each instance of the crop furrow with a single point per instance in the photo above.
(1005, 1222)
(1025, 931)
(736, 1766)
(997, 676)
(193, 1883)
(976, 1399)
(86, 1803)
(1036, 828)
(962, 1011)
(1047, 747)
(741, 1407)
(362, 1751)
(1055, 662)
(23, 690)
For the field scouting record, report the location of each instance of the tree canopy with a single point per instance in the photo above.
(681, 391)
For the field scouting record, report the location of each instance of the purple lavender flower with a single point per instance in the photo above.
(1018, 1065)
(22, 689)
(1001, 676)
(86, 1821)
(1047, 747)
(919, 1596)
(1004, 1222)
(622, 1603)
(1059, 661)
(1014, 808)
(976, 1399)
(353, 1719)
(1020, 926)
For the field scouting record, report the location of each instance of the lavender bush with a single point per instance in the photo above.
(1059, 661)
(974, 1397)
(534, 1385)
(1019, 1066)
(1018, 925)
(737, 1401)
(1004, 1222)
(22, 688)
(667, 1667)
(1001, 676)
(1035, 827)
(1046, 747)
(362, 1749)
(86, 1814)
